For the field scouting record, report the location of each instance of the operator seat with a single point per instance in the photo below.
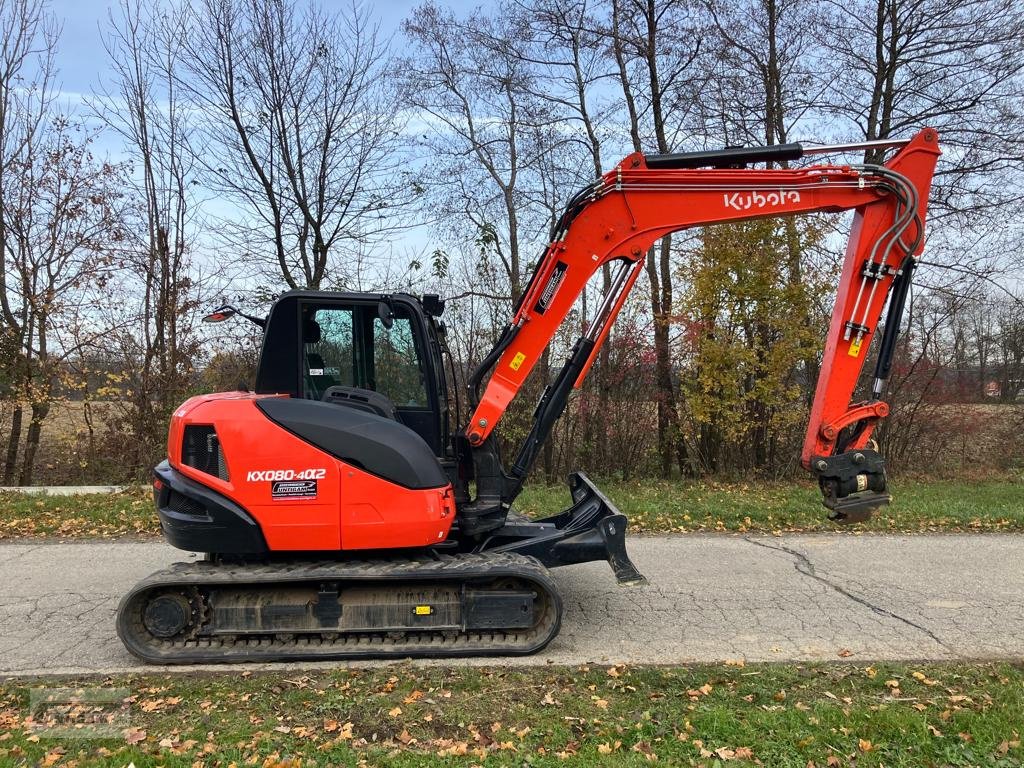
(314, 372)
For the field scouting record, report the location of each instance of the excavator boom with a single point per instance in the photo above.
(645, 198)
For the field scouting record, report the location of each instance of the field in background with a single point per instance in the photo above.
(653, 507)
(84, 445)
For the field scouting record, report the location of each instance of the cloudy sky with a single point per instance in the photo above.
(82, 59)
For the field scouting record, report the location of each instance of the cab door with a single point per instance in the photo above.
(353, 344)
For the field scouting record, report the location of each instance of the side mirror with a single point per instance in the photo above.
(220, 314)
(387, 317)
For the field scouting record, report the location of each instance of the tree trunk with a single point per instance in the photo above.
(13, 443)
(35, 426)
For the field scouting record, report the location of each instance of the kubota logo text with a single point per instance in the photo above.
(743, 201)
(286, 474)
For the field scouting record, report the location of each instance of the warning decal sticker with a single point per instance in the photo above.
(293, 489)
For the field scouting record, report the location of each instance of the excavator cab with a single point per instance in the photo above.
(379, 353)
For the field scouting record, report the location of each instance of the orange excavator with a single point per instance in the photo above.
(341, 513)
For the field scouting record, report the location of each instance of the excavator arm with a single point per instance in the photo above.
(644, 198)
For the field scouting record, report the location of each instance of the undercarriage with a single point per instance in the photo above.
(495, 597)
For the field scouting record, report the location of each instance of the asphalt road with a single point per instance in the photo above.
(710, 598)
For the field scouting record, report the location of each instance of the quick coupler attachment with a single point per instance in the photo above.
(853, 484)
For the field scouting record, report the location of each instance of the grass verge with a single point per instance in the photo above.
(918, 506)
(655, 507)
(776, 715)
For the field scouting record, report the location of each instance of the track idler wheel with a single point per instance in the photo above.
(167, 615)
(173, 615)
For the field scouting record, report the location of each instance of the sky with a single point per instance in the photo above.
(82, 60)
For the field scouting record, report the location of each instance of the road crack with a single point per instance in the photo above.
(803, 565)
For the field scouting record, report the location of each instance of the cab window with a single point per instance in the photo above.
(397, 363)
(351, 346)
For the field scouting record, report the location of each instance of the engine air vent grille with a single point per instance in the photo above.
(201, 450)
(181, 503)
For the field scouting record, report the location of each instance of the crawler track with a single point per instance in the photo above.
(304, 610)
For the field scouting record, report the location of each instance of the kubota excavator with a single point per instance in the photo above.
(340, 512)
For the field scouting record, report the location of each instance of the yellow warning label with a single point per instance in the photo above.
(423, 610)
(854, 350)
(517, 361)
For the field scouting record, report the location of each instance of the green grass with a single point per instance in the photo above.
(989, 505)
(774, 715)
(652, 506)
(97, 515)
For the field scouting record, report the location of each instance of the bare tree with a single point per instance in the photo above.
(301, 132)
(474, 91)
(144, 105)
(950, 64)
(655, 49)
(567, 46)
(28, 39)
(62, 213)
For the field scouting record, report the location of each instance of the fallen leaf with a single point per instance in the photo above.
(135, 736)
(725, 753)
(395, 712)
(457, 748)
(844, 653)
(864, 745)
(645, 749)
(1006, 746)
(934, 731)
(602, 703)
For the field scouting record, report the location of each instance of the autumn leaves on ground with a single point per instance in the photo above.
(652, 507)
(772, 715)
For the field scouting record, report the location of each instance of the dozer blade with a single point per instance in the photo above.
(591, 529)
(463, 605)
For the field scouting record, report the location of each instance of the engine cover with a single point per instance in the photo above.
(313, 476)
